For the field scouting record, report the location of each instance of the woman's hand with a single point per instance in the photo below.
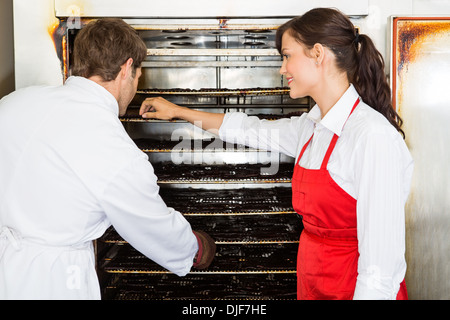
(158, 108)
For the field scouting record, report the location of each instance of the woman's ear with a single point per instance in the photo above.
(318, 53)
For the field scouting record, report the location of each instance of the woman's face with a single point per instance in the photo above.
(298, 67)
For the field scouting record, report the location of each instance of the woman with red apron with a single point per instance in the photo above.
(328, 251)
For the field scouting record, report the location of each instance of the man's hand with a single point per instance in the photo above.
(206, 250)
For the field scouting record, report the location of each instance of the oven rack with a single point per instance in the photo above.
(217, 92)
(122, 242)
(121, 270)
(223, 181)
(248, 52)
(199, 286)
(229, 259)
(195, 145)
(238, 213)
(229, 202)
(133, 116)
(274, 167)
(111, 239)
(238, 229)
(145, 120)
(212, 64)
(221, 173)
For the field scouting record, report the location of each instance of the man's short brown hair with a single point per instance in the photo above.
(104, 45)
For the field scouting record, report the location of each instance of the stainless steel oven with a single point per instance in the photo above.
(240, 196)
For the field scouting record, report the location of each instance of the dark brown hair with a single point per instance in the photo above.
(355, 54)
(104, 45)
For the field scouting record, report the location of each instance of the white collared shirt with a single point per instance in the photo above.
(371, 162)
(68, 170)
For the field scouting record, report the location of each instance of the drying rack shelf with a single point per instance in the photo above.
(229, 259)
(248, 286)
(217, 92)
(225, 173)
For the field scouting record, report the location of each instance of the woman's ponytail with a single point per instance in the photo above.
(370, 80)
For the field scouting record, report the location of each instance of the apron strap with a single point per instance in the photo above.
(334, 140)
(303, 149)
(329, 151)
(332, 143)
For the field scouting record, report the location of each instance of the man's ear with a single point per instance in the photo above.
(127, 69)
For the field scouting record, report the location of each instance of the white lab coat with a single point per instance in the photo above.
(68, 170)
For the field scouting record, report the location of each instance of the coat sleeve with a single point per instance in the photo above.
(278, 135)
(134, 207)
(383, 175)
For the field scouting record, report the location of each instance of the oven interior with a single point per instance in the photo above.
(239, 195)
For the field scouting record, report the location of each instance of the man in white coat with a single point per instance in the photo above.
(68, 170)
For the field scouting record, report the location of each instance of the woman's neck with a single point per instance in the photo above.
(329, 92)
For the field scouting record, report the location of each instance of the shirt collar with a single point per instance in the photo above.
(98, 92)
(336, 117)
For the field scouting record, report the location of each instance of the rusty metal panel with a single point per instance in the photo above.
(420, 77)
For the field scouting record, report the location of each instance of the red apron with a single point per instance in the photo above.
(327, 259)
